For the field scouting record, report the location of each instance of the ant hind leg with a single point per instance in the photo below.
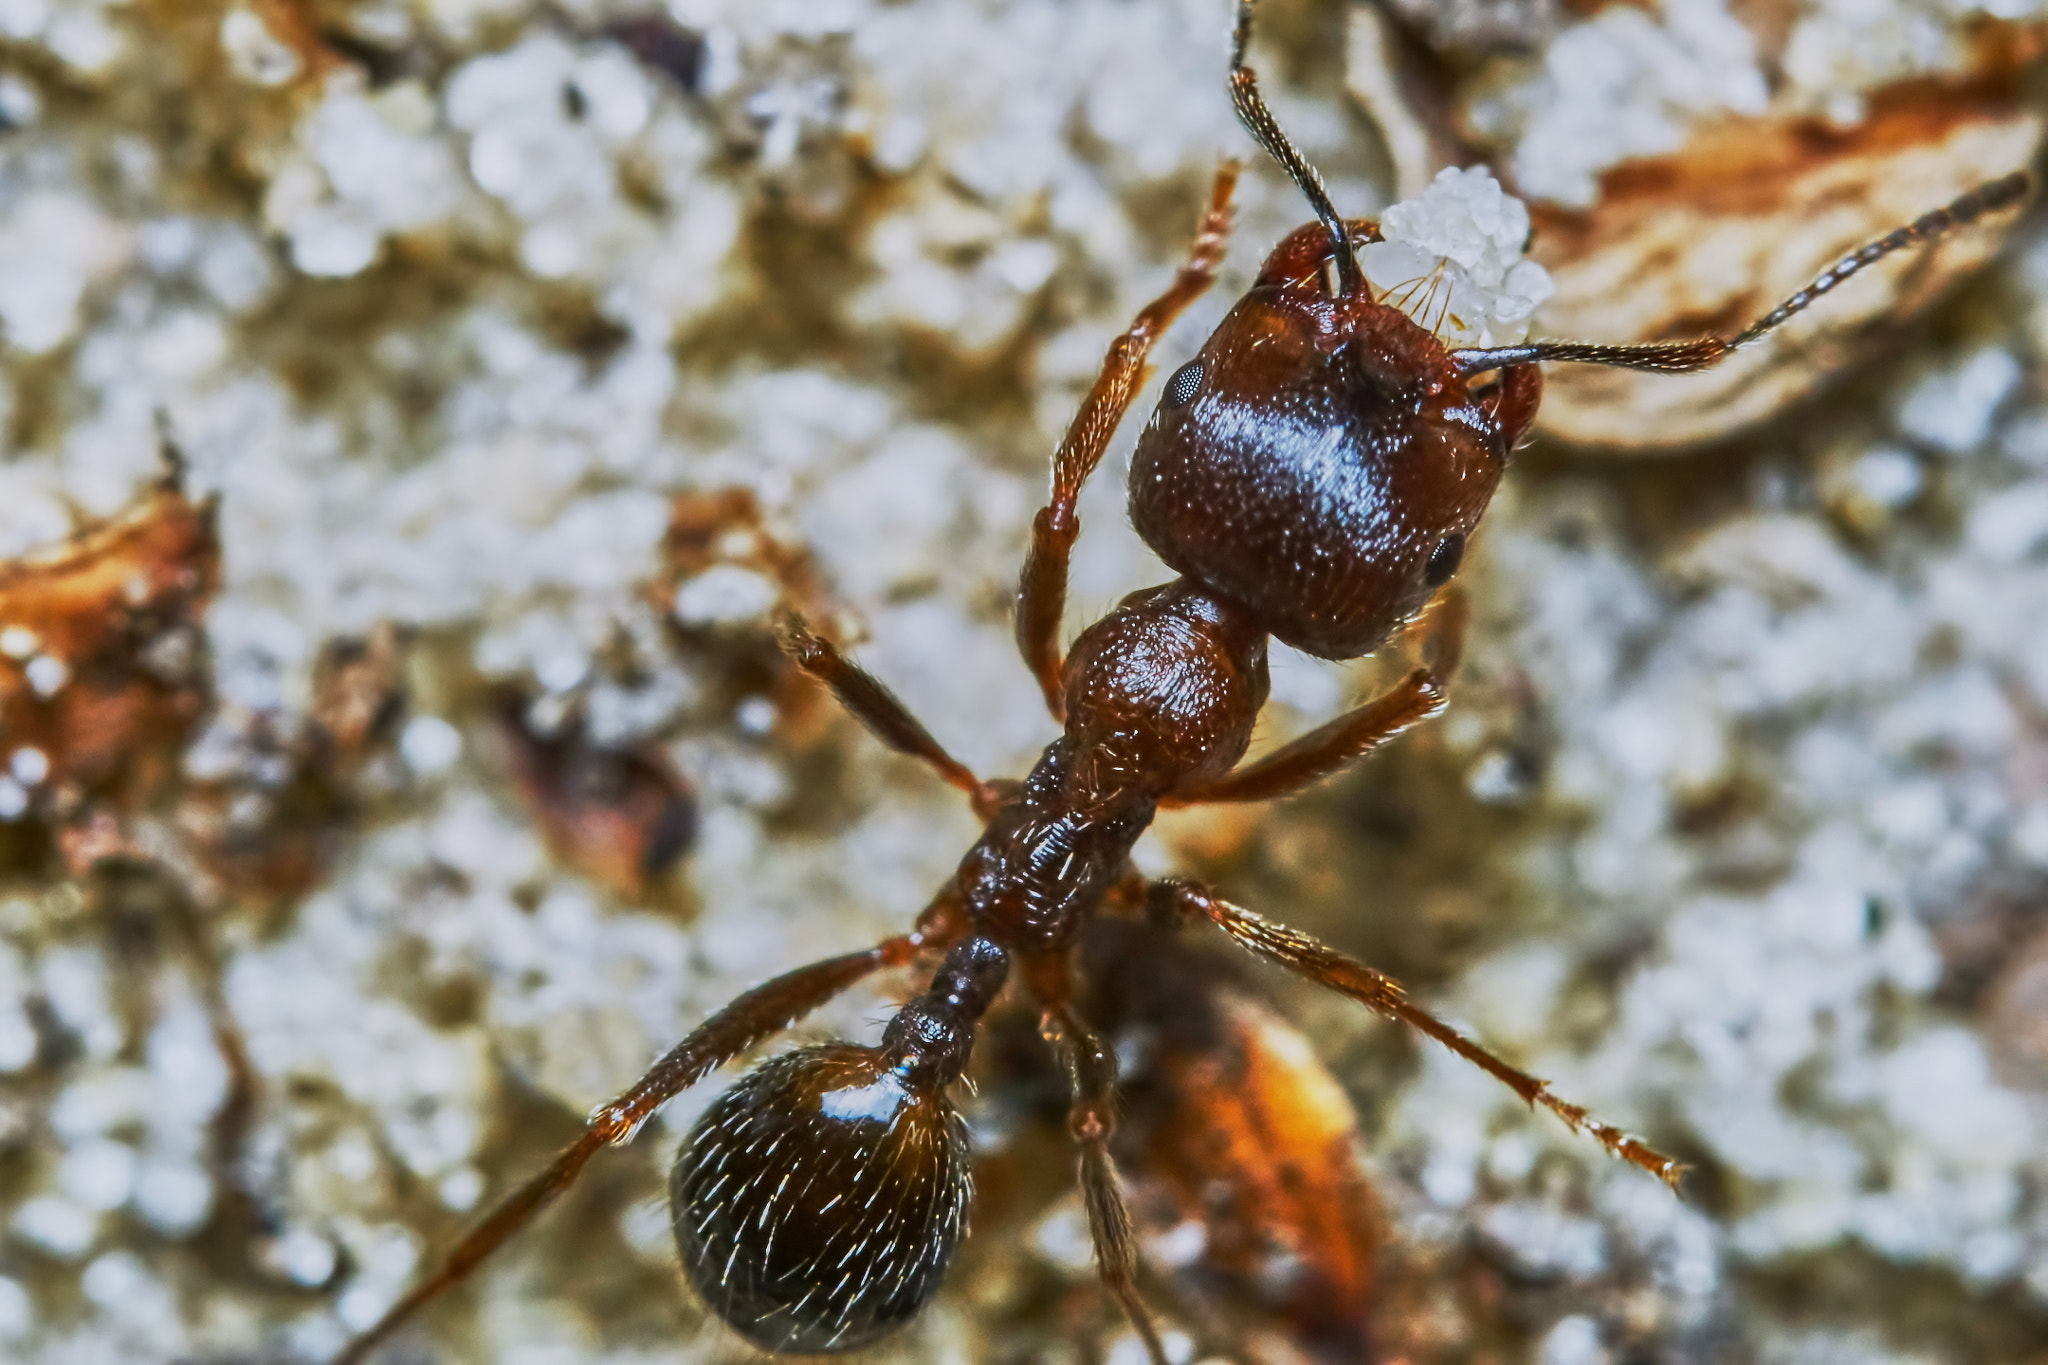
(757, 1015)
(1092, 1121)
(1175, 902)
(1042, 587)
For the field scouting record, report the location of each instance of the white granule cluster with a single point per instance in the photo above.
(1627, 82)
(1792, 1030)
(1635, 81)
(1452, 260)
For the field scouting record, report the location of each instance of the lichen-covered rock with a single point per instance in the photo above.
(549, 351)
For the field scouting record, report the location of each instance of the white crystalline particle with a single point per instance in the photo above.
(755, 716)
(114, 1279)
(1574, 1341)
(19, 642)
(552, 251)
(507, 80)
(58, 1226)
(53, 248)
(1062, 1238)
(254, 53)
(303, 1256)
(1127, 1349)
(1952, 410)
(461, 1188)
(17, 1037)
(29, 766)
(616, 97)
(20, 105)
(724, 595)
(1888, 477)
(1627, 84)
(82, 39)
(1452, 260)
(559, 670)
(186, 345)
(47, 675)
(430, 745)
(377, 161)
(98, 1175)
(360, 1305)
(22, 20)
(2011, 525)
(2029, 839)
(174, 1196)
(1543, 1241)
(13, 799)
(74, 981)
(17, 1311)
(235, 269)
(333, 241)
(186, 1071)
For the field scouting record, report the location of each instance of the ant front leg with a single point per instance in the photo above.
(1356, 733)
(1042, 588)
(883, 712)
(757, 1015)
(1175, 902)
(1091, 1065)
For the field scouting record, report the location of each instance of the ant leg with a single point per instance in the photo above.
(1092, 1121)
(1354, 734)
(1175, 902)
(758, 1014)
(882, 711)
(1683, 357)
(1042, 588)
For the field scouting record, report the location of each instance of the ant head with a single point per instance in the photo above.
(1322, 460)
(862, 1174)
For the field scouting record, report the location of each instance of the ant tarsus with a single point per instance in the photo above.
(1313, 475)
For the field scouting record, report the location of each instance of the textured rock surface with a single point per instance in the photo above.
(1738, 828)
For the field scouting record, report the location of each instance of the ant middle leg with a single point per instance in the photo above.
(750, 1019)
(1042, 587)
(1176, 901)
(1357, 732)
(883, 712)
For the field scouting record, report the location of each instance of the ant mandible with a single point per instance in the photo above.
(1313, 475)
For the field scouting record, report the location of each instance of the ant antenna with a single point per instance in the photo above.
(1683, 357)
(1258, 120)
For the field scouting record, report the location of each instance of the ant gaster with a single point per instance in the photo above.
(1313, 474)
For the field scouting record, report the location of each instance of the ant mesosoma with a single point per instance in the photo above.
(1313, 475)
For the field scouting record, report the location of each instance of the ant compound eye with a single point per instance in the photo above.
(1185, 384)
(817, 1203)
(1444, 560)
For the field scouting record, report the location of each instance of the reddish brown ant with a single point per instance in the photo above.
(1313, 474)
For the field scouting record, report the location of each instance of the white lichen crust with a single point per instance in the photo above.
(1736, 831)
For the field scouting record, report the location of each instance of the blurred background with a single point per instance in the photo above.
(416, 414)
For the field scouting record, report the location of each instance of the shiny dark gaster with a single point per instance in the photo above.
(821, 1200)
(1314, 474)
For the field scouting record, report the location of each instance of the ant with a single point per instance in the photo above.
(1313, 475)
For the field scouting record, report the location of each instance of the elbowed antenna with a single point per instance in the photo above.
(1683, 357)
(1258, 120)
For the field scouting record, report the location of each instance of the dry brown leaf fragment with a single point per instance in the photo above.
(1711, 237)
(1232, 1111)
(101, 659)
(622, 817)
